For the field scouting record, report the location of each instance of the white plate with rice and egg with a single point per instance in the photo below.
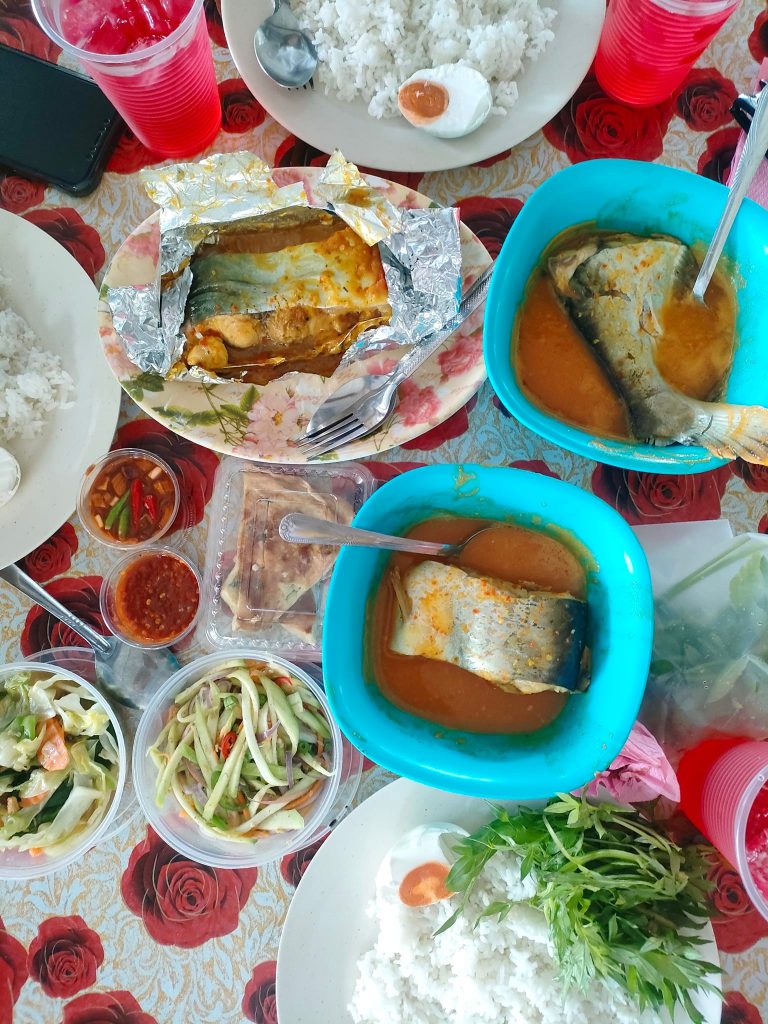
(534, 54)
(350, 963)
(58, 400)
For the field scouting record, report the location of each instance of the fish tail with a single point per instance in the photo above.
(737, 431)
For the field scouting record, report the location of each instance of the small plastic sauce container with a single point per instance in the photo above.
(129, 498)
(151, 598)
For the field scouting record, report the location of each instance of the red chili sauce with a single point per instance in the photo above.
(156, 598)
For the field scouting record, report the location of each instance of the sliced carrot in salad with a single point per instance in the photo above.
(53, 754)
(28, 801)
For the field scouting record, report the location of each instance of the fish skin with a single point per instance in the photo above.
(613, 291)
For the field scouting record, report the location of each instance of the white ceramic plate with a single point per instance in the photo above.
(50, 290)
(327, 930)
(391, 143)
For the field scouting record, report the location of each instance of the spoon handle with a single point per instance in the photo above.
(300, 529)
(746, 169)
(26, 585)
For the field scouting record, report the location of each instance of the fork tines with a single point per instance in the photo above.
(321, 442)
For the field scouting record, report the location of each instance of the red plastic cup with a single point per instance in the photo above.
(649, 46)
(162, 82)
(719, 781)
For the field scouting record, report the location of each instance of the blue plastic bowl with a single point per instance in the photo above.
(629, 195)
(592, 728)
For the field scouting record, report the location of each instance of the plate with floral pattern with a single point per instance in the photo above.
(262, 423)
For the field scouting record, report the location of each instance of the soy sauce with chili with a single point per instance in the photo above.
(132, 498)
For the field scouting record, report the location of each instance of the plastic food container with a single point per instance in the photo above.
(182, 833)
(259, 591)
(21, 863)
(159, 498)
(110, 594)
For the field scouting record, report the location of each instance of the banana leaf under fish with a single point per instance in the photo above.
(614, 288)
(523, 641)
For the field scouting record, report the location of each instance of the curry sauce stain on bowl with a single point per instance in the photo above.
(446, 693)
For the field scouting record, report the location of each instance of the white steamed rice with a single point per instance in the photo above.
(498, 973)
(33, 382)
(367, 49)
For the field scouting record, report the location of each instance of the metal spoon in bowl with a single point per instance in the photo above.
(746, 169)
(296, 528)
(283, 50)
(127, 674)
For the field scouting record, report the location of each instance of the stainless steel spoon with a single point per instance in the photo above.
(283, 50)
(297, 528)
(749, 163)
(128, 674)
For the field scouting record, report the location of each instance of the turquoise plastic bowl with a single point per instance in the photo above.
(592, 728)
(629, 195)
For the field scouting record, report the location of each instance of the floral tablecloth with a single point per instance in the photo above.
(137, 935)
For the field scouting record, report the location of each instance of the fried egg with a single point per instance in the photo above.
(448, 101)
(414, 871)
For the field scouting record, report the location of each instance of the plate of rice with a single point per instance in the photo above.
(534, 54)
(365, 958)
(58, 400)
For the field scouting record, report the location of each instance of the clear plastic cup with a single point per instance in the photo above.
(20, 863)
(166, 92)
(108, 605)
(91, 475)
(719, 781)
(181, 833)
(648, 46)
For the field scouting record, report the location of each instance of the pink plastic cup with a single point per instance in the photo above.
(719, 802)
(649, 46)
(166, 92)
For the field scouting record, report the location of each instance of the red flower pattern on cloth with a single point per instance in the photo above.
(18, 194)
(182, 903)
(535, 466)
(240, 110)
(754, 476)
(737, 1010)
(20, 31)
(81, 595)
(736, 923)
(758, 37)
(64, 956)
(53, 557)
(13, 973)
(130, 155)
(762, 526)
(451, 428)
(501, 407)
(593, 125)
(260, 999)
(106, 1008)
(384, 471)
(195, 467)
(294, 152)
(661, 497)
(705, 100)
(70, 230)
(293, 866)
(715, 161)
(214, 22)
(490, 217)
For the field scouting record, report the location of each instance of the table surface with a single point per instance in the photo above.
(137, 935)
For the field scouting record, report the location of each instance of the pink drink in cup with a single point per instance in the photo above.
(723, 791)
(152, 58)
(649, 46)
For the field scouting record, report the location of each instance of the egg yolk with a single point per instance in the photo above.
(424, 885)
(423, 100)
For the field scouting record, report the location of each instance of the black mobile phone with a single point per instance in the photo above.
(55, 124)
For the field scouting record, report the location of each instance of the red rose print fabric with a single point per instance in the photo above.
(715, 161)
(755, 477)
(384, 471)
(594, 125)
(41, 631)
(18, 194)
(215, 25)
(195, 467)
(20, 31)
(535, 466)
(130, 155)
(737, 1010)
(13, 973)
(106, 1008)
(490, 218)
(293, 866)
(70, 230)
(64, 956)
(659, 497)
(758, 37)
(240, 111)
(705, 100)
(736, 923)
(259, 998)
(182, 903)
(293, 152)
(53, 557)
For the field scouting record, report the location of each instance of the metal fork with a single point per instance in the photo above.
(370, 411)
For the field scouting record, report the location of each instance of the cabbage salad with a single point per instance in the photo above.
(59, 762)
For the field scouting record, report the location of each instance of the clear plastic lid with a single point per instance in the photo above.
(259, 591)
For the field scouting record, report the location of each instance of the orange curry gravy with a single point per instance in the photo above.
(447, 694)
(559, 371)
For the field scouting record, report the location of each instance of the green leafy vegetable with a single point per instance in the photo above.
(619, 898)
